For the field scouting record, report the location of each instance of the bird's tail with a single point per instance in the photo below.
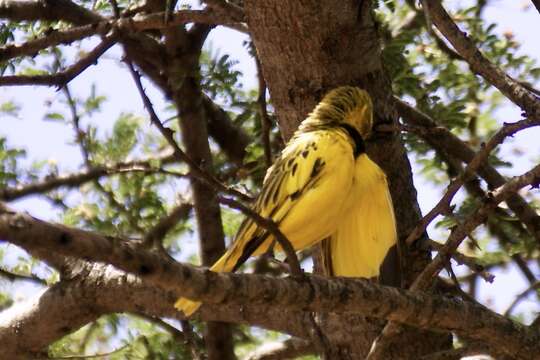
(225, 264)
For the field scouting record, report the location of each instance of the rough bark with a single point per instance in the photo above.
(26, 329)
(184, 48)
(442, 139)
(337, 44)
(334, 43)
(313, 293)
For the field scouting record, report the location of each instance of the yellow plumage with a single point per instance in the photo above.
(323, 185)
(368, 229)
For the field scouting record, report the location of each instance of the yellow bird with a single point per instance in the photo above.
(323, 185)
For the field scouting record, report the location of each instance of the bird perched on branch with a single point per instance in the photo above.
(323, 186)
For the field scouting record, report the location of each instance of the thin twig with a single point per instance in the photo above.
(193, 342)
(478, 63)
(80, 135)
(74, 180)
(17, 276)
(469, 261)
(272, 227)
(196, 171)
(215, 184)
(451, 53)
(266, 124)
(179, 336)
(95, 356)
(508, 129)
(62, 78)
(90, 330)
(424, 15)
(445, 141)
(126, 25)
(458, 234)
(53, 38)
(156, 234)
(80, 138)
(521, 296)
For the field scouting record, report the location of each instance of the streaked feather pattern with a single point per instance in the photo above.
(319, 187)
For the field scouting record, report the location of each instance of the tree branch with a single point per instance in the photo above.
(443, 140)
(159, 231)
(232, 139)
(424, 280)
(168, 134)
(508, 129)
(52, 10)
(102, 27)
(272, 228)
(311, 293)
(266, 124)
(147, 52)
(26, 329)
(53, 38)
(157, 20)
(536, 4)
(75, 180)
(478, 63)
(62, 78)
(12, 276)
(234, 11)
(66, 10)
(470, 262)
(534, 286)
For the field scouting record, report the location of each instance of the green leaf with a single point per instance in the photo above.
(54, 116)
(10, 108)
(33, 72)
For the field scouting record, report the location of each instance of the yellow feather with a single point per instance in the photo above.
(317, 189)
(368, 230)
(299, 194)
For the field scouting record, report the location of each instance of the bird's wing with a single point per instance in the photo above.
(368, 229)
(297, 189)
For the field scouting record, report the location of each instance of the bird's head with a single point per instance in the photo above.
(347, 104)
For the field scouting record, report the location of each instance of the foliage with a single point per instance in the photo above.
(130, 203)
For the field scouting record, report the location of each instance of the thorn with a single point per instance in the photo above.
(49, 31)
(169, 131)
(448, 210)
(535, 184)
(475, 243)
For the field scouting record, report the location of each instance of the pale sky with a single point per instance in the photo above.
(52, 141)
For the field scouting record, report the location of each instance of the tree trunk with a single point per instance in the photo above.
(306, 48)
(184, 79)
